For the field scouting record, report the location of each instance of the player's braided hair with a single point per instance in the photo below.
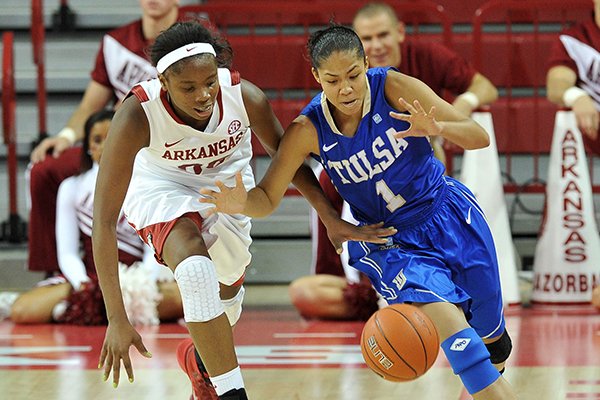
(182, 33)
(334, 38)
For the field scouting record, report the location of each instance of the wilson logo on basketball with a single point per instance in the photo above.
(383, 360)
(234, 126)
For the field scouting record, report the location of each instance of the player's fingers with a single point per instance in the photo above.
(128, 367)
(107, 366)
(407, 105)
(402, 134)
(418, 106)
(400, 116)
(208, 192)
(369, 239)
(432, 111)
(377, 225)
(116, 370)
(220, 185)
(239, 182)
(385, 232)
(139, 345)
(102, 357)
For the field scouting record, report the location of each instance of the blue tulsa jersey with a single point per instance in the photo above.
(381, 177)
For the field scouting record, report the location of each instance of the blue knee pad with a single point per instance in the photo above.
(470, 360)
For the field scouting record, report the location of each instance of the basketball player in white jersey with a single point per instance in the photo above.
(171, 137)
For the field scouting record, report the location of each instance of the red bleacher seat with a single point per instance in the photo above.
(273, 61)
(251, 13)
(518, 60)
(523, 125)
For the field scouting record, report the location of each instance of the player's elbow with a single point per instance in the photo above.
(478, 141)
(485, 140)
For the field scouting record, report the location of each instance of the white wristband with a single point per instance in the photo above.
(470, 98)
(69, 134)
(571, 95)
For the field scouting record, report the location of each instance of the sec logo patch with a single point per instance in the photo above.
(234, 126)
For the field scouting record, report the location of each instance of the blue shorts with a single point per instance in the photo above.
(449, 256)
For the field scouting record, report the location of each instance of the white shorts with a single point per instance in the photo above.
(154, 204)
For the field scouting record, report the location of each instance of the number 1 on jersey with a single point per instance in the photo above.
(394, 201)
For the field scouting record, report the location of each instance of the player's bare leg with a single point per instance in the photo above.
(35, 306)
(186, 253)
(450, 320)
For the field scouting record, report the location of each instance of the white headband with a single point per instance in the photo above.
(188, 50)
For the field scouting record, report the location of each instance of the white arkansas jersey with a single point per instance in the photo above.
(197, 158)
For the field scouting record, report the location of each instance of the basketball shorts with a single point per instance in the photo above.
(449, 257)
(153, 205)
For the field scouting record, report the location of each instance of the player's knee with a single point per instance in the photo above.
(196, 277)
(500, 349)
(233, 306)
(470, 360)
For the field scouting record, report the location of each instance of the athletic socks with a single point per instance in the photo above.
(229, 384)
(228, 381)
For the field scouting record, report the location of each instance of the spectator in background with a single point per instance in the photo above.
(74, 296)
(121, 62)
(569, 82)
(328, 294)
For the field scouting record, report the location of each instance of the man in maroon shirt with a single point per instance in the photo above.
(327, 294)
(120, 63)
(572, 79)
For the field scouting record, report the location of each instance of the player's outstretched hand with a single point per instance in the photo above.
(422, 123)
(119, 337)
(344, 231)
(227, 200)
(56, 143)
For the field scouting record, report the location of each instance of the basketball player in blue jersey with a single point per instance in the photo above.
(369, 129)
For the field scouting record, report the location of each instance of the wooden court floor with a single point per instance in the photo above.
(556, 356)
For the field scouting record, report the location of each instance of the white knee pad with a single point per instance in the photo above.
(233, 306)
(199, 287)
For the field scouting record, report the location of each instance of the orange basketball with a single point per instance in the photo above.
(399, 342)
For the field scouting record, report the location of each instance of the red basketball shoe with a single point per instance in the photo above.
(201, 384)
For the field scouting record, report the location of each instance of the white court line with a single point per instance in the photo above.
(167, 335)
(314, 335)
(2, 337)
